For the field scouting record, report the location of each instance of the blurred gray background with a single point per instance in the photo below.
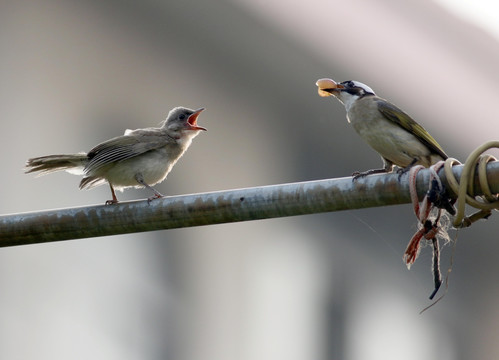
(326, 286)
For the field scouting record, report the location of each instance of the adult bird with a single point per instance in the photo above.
(392, 133)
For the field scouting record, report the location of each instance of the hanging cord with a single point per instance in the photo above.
(429, 225)
(437, 199)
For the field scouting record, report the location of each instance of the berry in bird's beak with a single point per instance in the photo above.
(326, 87)
(192, 121)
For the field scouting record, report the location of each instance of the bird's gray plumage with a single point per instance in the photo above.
(386, 128)
(139, 158)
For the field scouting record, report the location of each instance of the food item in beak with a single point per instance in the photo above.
(323, 84)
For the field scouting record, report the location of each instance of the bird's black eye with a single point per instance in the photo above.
(181, 116)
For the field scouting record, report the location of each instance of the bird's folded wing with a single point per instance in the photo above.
(394, 114)
(125, 147)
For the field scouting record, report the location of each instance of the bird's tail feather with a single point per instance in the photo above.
(73, 163)
(89, 182)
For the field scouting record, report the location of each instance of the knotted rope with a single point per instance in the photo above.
(438, 199)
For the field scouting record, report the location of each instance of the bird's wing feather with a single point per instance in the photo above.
(397, 116)
(125, 147)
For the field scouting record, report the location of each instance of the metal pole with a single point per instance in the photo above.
(217, 207)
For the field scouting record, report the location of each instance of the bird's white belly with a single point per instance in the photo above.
(154, 166)
(392, 142)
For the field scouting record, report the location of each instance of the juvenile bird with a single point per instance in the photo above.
(386, 128)
(139, 158)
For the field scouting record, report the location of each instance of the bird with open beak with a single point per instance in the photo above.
(139, 158)
(387, 129)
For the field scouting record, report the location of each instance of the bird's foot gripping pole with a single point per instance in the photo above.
(357, 174)
(157, 194)
(114, 199)
(402, 171)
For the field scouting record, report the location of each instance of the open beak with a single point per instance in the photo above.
(328, 87)
(192, 121)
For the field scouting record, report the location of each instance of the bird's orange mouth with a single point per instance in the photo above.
(192, 121)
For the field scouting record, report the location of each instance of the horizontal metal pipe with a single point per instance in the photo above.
(217, 207)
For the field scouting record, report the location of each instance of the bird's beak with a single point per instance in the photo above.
(329, 92)
(192, 121)
(328, 87)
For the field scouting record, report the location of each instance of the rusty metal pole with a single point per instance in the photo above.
(216, 207)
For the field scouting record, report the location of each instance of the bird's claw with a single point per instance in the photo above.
(402, 171)
(357, 174)
(155, 196)
(439, 197)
